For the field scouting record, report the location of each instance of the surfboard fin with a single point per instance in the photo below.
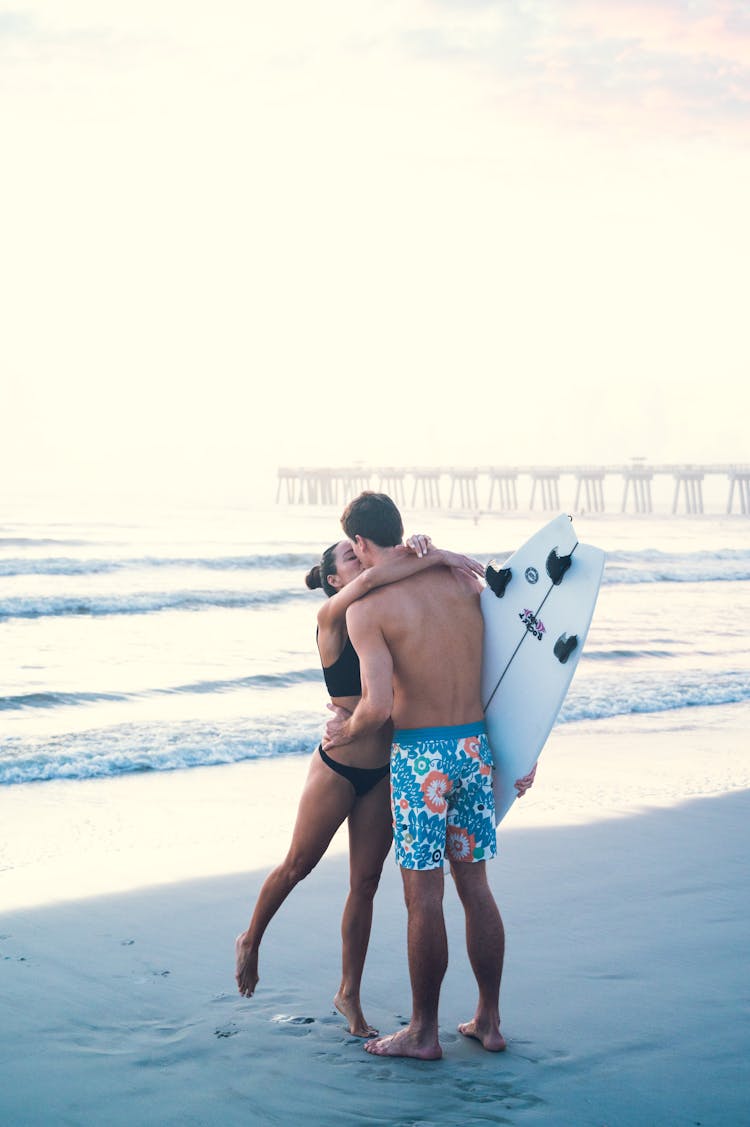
(557, 566)
(497, 579)
(564, 647)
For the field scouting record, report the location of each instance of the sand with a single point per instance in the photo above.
(626, 995)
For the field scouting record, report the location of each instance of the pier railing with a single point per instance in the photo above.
(496, 488)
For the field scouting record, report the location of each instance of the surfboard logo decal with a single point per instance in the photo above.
(533, 624)
(531, 575)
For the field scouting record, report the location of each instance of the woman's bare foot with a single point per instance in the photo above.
(246, 972)
(488, 1036)
(405, 1043)
(352, 1011)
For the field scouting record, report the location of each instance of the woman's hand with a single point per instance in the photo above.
(465, 564)
(419, 544)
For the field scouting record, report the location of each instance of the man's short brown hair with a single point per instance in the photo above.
(373, 516)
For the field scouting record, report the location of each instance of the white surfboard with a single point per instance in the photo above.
(537, 608)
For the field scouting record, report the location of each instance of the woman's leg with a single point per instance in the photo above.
(370, 838)
(326, 801)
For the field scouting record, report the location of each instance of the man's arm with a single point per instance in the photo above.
(376, 672)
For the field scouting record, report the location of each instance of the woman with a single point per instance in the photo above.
(354, 785)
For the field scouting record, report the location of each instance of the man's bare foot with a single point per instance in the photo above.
(489, 1037)
(405, 1043)
(352, 1011)
(246, 972)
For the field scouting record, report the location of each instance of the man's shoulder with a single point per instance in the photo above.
(366, 610)
(378, 604)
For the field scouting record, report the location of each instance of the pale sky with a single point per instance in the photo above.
(236, 235)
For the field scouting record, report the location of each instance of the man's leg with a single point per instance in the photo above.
(428, 960)
(485, 943)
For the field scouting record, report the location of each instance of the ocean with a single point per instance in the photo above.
(184, 636)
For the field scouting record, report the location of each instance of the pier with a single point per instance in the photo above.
(496, 488)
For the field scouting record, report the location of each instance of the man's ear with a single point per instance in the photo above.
(360, 543)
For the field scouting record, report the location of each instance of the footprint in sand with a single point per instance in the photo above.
(491, 1092)
(536, 1057)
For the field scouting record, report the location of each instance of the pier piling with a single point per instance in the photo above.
(466, 480)
(505, 480)
(690, 483)
(549, 488)
(640, 478)
(592, 481)
(739, 477)
(430, 482)
(391, 481)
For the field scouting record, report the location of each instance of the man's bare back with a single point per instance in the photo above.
(432, 627)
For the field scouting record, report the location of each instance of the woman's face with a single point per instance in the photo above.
(348, 566)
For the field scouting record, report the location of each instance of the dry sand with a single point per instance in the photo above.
(624, 888)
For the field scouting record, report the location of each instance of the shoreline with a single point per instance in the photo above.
(141, 829)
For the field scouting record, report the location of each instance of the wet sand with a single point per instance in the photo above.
(624, 889)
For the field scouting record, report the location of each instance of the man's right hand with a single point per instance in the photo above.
(334, 734)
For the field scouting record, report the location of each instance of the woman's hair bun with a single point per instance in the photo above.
(314, 579)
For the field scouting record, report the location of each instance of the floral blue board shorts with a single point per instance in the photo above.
(441, 796)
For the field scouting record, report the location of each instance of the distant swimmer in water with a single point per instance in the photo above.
(351, 784)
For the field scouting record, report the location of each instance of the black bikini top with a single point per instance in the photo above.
(342, 678)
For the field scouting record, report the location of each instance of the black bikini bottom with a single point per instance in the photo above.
(363, 779)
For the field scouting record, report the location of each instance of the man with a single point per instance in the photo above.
(419, 643)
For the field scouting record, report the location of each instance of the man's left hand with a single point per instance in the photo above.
(524, 784)
(335, 730)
